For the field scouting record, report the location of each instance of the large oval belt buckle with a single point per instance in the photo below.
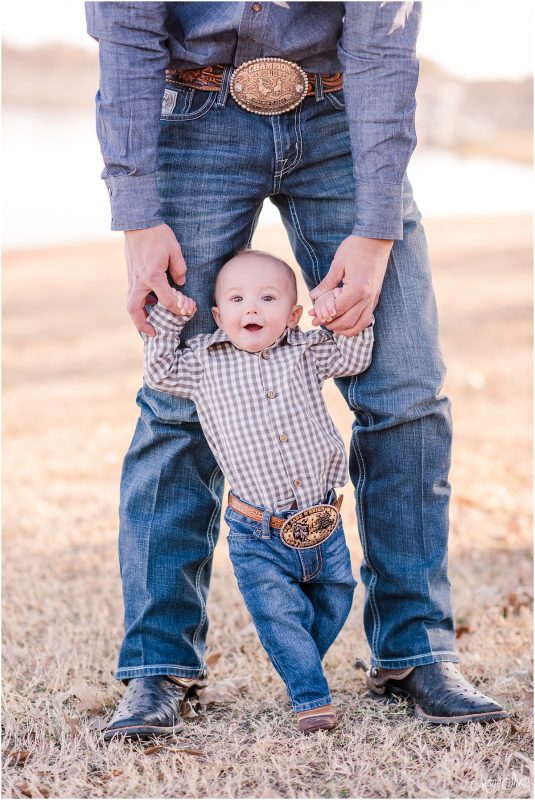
(268, 85)
(310, 527)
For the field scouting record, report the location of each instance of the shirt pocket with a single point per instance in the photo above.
(183, 103)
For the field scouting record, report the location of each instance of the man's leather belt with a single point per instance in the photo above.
(262, 86)
(304, 529)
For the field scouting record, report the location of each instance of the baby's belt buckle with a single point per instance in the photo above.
(268, 85)
(312, 526)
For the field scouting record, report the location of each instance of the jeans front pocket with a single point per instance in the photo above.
(182, 103)
(241, 527)
(336, 99)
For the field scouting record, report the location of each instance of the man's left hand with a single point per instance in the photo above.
(360, 265)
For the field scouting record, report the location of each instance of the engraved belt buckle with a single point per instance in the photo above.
(310, 527)
(268, 85)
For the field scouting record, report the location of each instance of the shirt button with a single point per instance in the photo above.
(257, 7)
(264, 354)
(297, 482)
(283, 437)
(271, 394)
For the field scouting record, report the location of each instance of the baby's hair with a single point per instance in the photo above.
(244, 251)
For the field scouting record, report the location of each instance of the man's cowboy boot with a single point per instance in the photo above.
(441, 695)
(150, 706)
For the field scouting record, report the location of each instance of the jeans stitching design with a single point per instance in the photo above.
(422, 655)
(201, 567)
(184, 117)
(278, 150)
(308, 247)
(299, 142)
(360, 512)
(335, 102)
(307, 576)
(189, 101)
(124, 670)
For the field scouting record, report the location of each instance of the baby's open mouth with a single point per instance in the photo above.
(252, 326)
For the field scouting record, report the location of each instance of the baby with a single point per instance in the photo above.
(257, 384)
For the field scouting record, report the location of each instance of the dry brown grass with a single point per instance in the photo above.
(72, 367)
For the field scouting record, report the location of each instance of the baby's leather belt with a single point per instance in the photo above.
(304, 529)
(262, 86)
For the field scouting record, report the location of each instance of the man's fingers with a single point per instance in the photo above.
(139, 318)
(135, 305)
(351, 297)
(330, 282)
(354, 321)
(177, 266)
(161, 288)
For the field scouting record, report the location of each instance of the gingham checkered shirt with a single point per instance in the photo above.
(263, 414)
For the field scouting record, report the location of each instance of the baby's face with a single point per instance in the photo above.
(255, 302)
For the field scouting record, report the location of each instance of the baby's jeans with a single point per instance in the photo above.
(298, 599)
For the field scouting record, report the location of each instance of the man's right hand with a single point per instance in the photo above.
(149, 253)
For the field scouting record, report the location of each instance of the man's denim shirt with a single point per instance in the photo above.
(373, 43)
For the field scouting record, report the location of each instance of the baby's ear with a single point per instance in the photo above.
(295, 316)
(216, 315)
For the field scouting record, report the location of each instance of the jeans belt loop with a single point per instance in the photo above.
(225, 83)
(266, 518)
(318, 87)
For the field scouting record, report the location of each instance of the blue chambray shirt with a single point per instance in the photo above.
(373, 43)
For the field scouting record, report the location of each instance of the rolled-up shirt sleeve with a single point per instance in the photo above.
(377, 52)
(133, 57)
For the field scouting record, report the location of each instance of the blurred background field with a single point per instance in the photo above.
(72, 365)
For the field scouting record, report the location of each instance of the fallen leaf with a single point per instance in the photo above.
(212, 659)
(516, 728)
(148, 751)
(26, 790)
(224, 690)
(17, 756)
(156, 748)
(88, 696)
(518, 600)
(462, 629)
(73, 723)
(109, 775)
(528, 695)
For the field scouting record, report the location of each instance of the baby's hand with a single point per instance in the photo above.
(186, 306)
(325, 306)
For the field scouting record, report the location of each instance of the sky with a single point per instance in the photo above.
(474, 39)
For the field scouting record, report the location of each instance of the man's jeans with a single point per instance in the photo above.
(298, 599)
(218, 163)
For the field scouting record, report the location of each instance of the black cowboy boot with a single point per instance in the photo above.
(441, 695)
(150, 706)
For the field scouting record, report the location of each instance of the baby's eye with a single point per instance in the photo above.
(268, 297)
(236, 298)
